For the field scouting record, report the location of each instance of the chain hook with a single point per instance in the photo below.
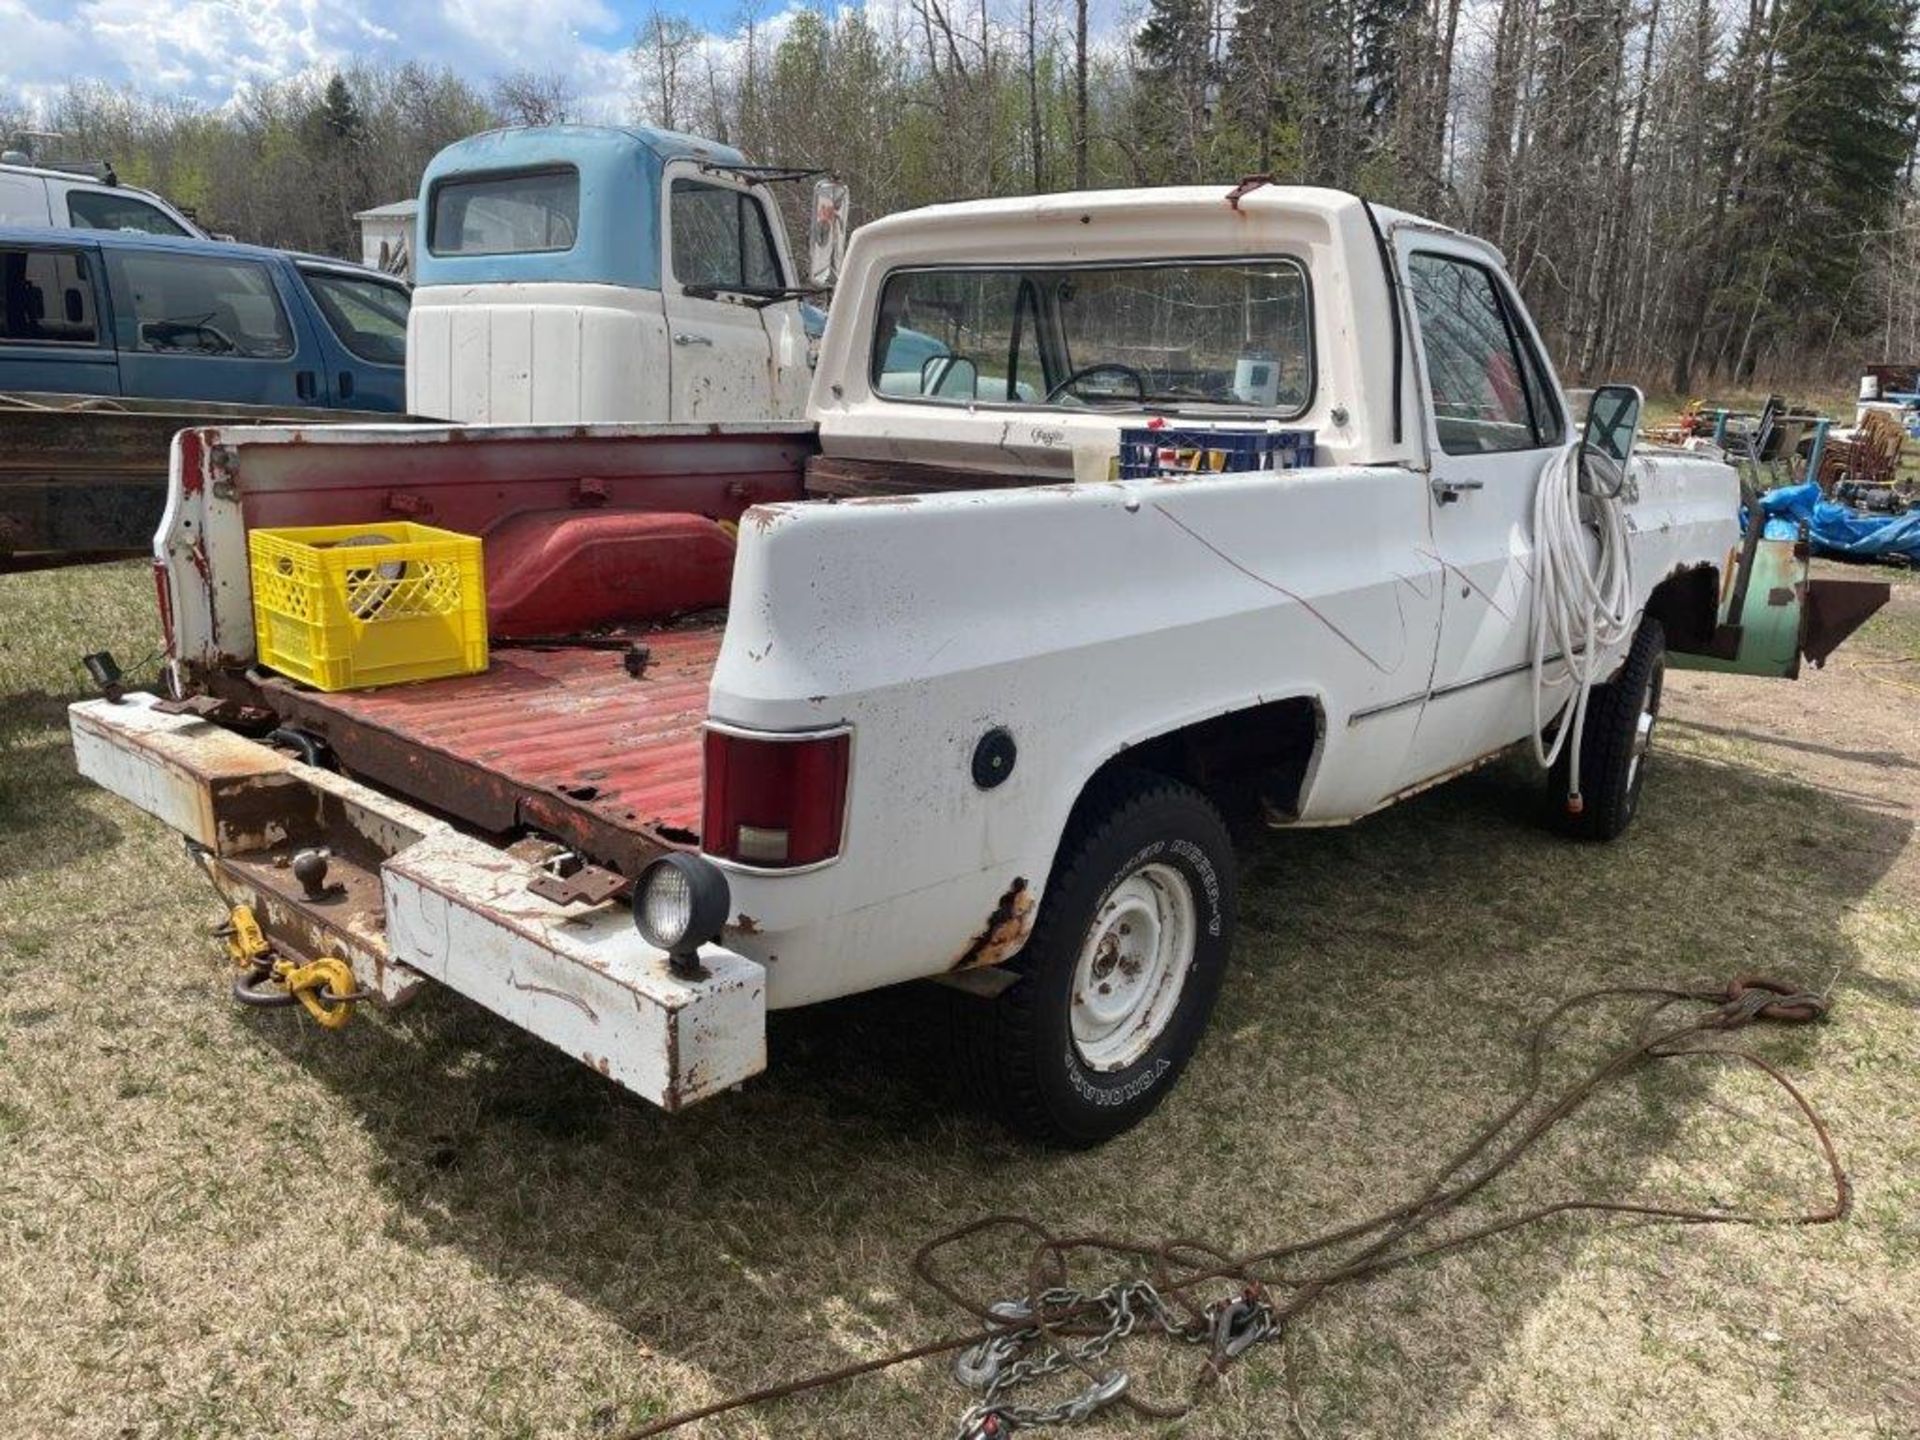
(325, 987)
(1240, 1324)
(979, 1366)
(1097, 1396)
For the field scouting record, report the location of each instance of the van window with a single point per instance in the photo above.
(505, 214)
(721, 239)
(101, 210)
(369, 316)
(49, 298)
(200, 305)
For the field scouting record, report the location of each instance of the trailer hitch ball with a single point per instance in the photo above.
(679, 904)
(310, 869)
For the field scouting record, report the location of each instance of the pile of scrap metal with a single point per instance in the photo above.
(1838, 529)
(1835, 480)
(1889, 413)
(1779, 430)
(1840, 487)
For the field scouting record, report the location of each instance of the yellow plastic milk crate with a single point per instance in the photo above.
(342, 607)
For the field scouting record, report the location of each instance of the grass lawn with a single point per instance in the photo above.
(223, 1223)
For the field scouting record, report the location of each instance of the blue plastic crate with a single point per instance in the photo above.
(1170, 451)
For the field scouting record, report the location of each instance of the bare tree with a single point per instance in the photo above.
(1036, 131)
(536, 97)
(663, 46)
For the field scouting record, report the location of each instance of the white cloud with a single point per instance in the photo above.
(209, 51)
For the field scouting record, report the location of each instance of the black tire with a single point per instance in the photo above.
(1020, 1046)
(1613, 759)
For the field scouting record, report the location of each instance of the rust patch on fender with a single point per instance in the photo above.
(1005, 932)
(763, 517)
(745, 924)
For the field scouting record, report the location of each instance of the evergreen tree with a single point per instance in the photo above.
(1841, 134)
(339, 114)
(1383, 29)
(1175, 92)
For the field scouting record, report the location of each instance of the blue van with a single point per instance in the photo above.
(173, 318)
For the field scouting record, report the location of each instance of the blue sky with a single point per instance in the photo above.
(206, 50)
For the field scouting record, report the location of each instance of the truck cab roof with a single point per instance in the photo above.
(1346, 391)
(609, 178)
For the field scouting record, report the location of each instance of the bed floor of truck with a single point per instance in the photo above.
(562, 740)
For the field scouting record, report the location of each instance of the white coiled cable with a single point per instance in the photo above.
(1582, 601)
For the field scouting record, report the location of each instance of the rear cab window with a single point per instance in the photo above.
(1208, 337)
(1488, 384)
(368, 316)
(104, 210)
(200, 305)
(48, 297)
(520, 212)
(721, 239)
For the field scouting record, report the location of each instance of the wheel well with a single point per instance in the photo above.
(1244, 760)
(1687, 605)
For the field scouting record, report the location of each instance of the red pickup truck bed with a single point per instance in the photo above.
(562, 740)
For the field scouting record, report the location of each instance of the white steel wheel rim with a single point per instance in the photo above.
(1132, 967)
(1643, 730)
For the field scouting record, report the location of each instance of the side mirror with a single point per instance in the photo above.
(1606, 445)
(827, 235)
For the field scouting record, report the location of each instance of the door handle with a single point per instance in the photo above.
(303, 384)
(689, 337)
(1445, 492)
(344, 382)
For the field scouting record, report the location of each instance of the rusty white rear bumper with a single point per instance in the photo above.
(422, 899)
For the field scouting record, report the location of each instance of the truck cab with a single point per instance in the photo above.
(571, 274)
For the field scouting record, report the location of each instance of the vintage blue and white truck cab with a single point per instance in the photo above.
(573, 273)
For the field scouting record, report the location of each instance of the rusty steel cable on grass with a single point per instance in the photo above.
(1175, 1266)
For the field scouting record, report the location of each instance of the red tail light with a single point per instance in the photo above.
(773, 801)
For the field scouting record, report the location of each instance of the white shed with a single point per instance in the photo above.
(386, 237)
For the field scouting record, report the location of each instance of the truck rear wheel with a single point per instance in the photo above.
(1120, 974)
(1619, 735)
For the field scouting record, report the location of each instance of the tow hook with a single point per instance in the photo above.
(324, 988)
(1240, 1324)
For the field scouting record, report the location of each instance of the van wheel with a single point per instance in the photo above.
(1618, 740)
(1120, 974)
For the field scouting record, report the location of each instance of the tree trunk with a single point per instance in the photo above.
(1080, 136)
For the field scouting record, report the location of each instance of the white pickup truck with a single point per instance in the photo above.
(918, 689)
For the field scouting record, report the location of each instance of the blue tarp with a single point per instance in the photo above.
(1837, 529)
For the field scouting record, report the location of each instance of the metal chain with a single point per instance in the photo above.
(1022, 1342)
(1019, 1357)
